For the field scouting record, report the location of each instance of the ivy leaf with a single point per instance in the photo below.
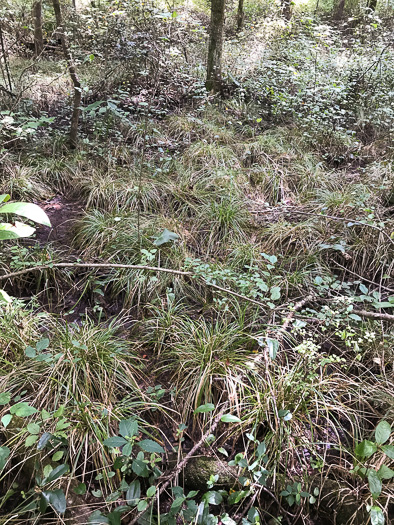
(23, 410)
(6, 420)
(229, 418)
(80, 489)
(202, 409)
(275, 293)
(5, 398)
(30, 440)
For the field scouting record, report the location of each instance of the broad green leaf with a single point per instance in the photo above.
(23, 410)
(273, 346)
(213, 497)
(133, 493)
(202, 409)
(229, 418)
(375, 484)
(150, 446)
(166, 236)
(4, 297)
(4, 455)
(388, 450)
(4, 198)
(223, 451)
(56, 473)
(377, 516)
(382, 432)
(6, 420)
(128, 428)
(96, 518)
(15, 231)
(44, 439)
(115, 442)
(365, 449)
(56, 500)
(28, 210)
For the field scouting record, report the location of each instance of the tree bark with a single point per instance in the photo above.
(38, 38)
(286, 9)
(240, 15)
(73, 74)
(215, 48)
(340, 9)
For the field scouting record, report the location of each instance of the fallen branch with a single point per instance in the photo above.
(374, 315)
(293, 209)
(130, 267)
(170, 477)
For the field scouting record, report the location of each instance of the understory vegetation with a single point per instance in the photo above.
(204, 334)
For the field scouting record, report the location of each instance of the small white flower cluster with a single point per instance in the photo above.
(307, 348)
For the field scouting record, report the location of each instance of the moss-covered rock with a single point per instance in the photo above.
(198, 471)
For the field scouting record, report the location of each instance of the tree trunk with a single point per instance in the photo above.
(215, 48)
(240, 15)
(286, 9)
(340, 10)
(73, 74)
(38, 38)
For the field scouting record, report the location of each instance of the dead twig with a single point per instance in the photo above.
(172, 475)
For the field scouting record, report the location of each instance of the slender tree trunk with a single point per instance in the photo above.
(286, 9)
(4, 58)
(73, 74)
(340, 9)
(38, 38)
(240, 15)
(215, 48)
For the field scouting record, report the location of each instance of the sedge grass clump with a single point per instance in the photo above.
(207, 156)
(130, 239)
(120, 189)
(205, 357)
(23, 183)
(222, 221)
